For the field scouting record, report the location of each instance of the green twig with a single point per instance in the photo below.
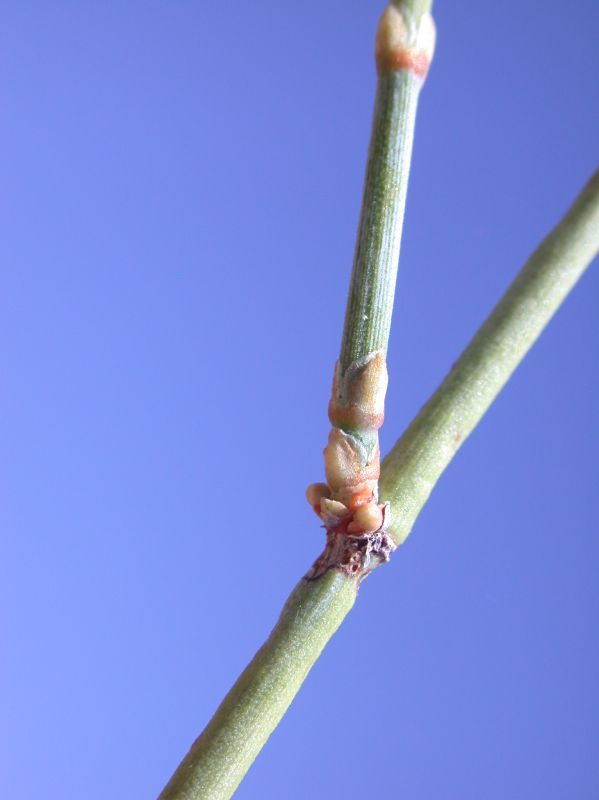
(349, 502)
(374, 273)
(372, 288)
(224, 752)
(414, 465)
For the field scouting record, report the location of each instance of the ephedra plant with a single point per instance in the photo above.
(367, 507)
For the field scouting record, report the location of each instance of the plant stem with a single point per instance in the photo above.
(372, 288)
(224, 752)
(250, 712)
(411, 469)
(402, 62)
(349, 502)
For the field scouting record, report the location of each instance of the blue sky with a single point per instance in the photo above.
(181, 186)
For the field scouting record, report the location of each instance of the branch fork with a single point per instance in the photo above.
(355, 555)
(355, 509)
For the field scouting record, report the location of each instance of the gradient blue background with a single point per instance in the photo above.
(180, 190)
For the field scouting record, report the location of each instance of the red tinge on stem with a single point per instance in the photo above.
(401, 45)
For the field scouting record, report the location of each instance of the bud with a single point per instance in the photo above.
(358, 396)
(315, 494)
(333, 508)
(401, 45)
(366, 519)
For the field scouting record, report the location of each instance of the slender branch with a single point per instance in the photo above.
(224, 752)
(411, 469)
(348, 503)
(376, 257)
(233, 738)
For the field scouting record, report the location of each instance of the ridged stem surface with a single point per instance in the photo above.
(224, 752)
(374, 273)
(411, 469)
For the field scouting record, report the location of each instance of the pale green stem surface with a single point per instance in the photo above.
(411, 469)
(224, 752)
(374, 273)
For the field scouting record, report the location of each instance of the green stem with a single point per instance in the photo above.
(250, 712)
(372, 289)
(404, 49)
(221, 756)
(224, 752)
(411, 469)
(374, 273)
